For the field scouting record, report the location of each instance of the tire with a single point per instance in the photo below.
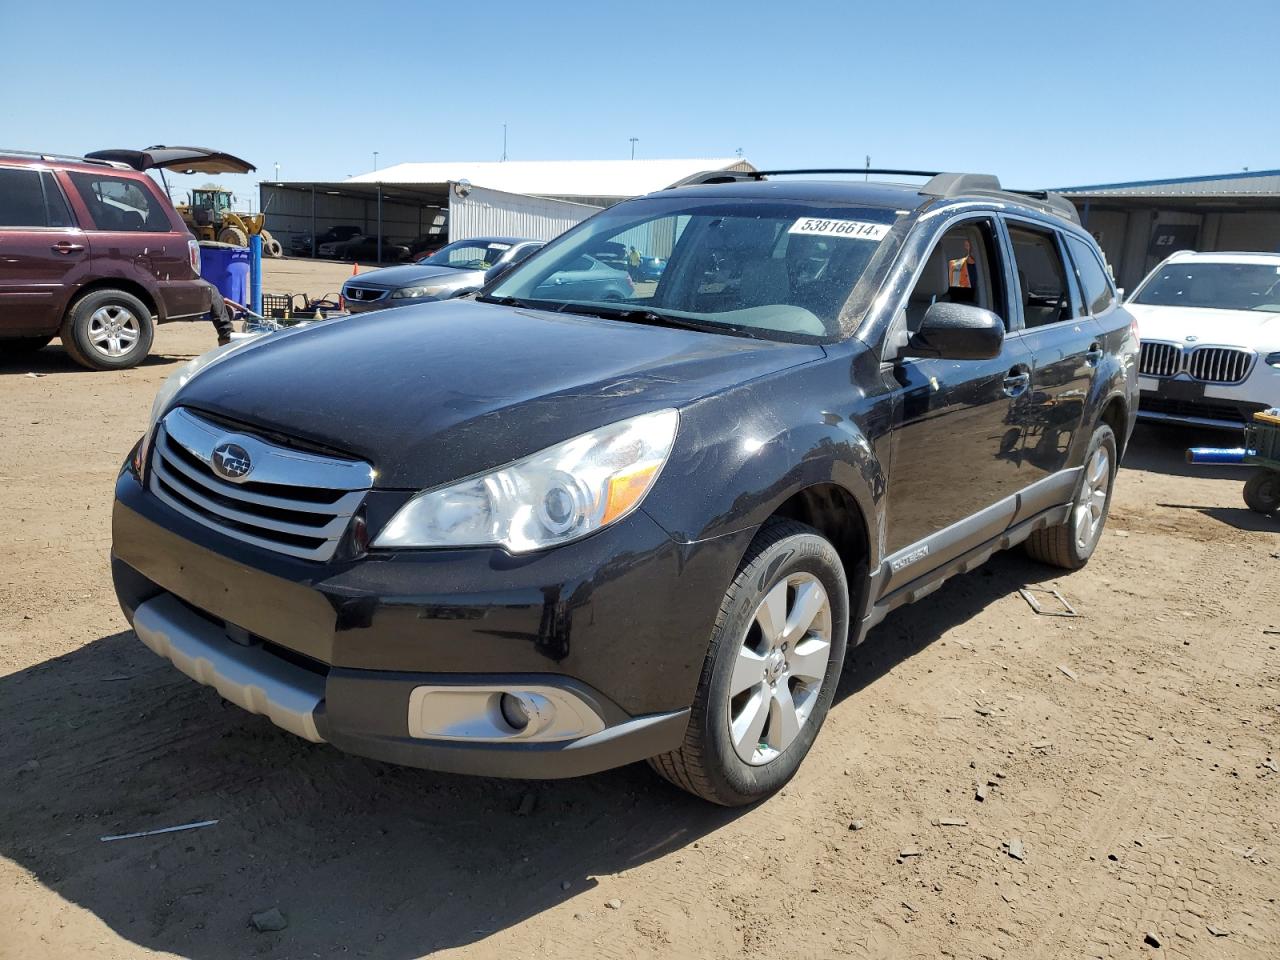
(234, 236)
(1071, 543)
(270, 245)
(784, 565)
(21, 346)
(1262, 491)
(107, 330)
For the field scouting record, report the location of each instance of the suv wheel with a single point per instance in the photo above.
(107, 330)
(1071, 543)
(771, 672)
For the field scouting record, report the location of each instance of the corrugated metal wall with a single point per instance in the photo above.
(493, 213)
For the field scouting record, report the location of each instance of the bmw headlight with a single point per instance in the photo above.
(414, 293)
(552, 497)
(1273, 359)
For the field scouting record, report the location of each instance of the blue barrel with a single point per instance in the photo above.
(227, 268)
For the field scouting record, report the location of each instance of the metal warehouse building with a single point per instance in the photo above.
(420, 202)
(1140, 223)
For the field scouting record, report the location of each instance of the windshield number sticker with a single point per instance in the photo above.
(849, 229)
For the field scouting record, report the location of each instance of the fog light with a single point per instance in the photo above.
(513, 712)
(527, 713)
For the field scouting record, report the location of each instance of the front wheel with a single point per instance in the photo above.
(771, 671)
(1071, 543)
(1262, 491)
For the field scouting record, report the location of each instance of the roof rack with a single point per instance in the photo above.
(62, 158)
(938, 185)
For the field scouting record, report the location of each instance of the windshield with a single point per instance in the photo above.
(1224, 286)
(468, 254)
(777, 268)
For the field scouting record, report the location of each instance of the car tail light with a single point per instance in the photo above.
(193, 254)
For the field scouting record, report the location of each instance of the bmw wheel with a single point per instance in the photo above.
(771, 672)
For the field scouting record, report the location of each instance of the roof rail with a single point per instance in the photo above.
(63, 158)
(938, 185)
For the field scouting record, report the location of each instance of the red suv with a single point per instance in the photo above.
(93, 252)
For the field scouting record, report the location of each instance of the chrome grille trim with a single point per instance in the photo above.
(1204, 364)
(1220, 364)
(1159, 359)
(308, 525)
(364, 294)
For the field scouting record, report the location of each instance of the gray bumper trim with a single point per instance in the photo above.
(1152, 416)
(285, 694)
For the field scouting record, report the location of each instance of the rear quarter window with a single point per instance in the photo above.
(1098, 292)
(121, 204)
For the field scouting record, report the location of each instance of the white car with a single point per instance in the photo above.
(1210, 330)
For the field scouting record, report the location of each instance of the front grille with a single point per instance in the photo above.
(1219, 364)
(1159, 359)
(364, 294)
(290, 501)
(1203, 364)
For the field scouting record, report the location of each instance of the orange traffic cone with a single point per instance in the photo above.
(342, 301)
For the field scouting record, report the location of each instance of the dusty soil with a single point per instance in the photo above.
(1132, 753)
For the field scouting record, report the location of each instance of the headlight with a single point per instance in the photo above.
(412, 293)
(1273, 359)
(563, 493)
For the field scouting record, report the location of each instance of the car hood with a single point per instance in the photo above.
(429, 394)
(392, 278)
(1252, 329)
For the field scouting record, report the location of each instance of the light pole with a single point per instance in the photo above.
(375, 160)
(277, 169)
(634, 141)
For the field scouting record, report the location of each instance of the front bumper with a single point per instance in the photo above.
(334, 651)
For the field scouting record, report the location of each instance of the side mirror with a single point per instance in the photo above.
(497, 270)
(957, 331)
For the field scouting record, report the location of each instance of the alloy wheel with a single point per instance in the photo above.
(780, 668)
(1092, 502)
(113, 330)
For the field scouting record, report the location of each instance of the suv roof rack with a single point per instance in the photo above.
(938, 185)
(62, 158)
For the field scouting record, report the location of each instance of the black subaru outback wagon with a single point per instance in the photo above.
(539, 535)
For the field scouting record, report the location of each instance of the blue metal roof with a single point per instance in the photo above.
(1242, 183)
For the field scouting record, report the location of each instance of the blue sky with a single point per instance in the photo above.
(1041, 94)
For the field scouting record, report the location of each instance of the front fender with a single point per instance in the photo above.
(740, 455)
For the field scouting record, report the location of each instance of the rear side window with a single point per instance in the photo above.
(116, 203)
(21, 199)
(59, 215)
(1097, 288)
(1042, 279)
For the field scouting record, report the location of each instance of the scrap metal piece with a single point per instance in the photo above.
(1066, 611)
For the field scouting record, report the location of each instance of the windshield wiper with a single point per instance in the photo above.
(645, 315)
(507, 302)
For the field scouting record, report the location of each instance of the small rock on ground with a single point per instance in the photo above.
(269, 921)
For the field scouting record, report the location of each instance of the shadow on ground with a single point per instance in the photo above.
(359, 855)
(54, 359)
(1162, 449)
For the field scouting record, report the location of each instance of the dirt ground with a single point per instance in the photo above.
(1130, 756)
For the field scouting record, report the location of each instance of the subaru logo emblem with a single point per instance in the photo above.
(231, 461)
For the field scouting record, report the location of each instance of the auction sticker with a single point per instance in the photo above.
(849, 229)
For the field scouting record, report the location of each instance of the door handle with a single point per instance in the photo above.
(1016, 383)
(66, 246)
(1094, 355)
